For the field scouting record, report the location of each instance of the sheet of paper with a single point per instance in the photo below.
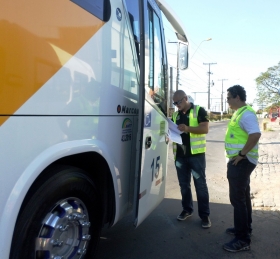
(174, 137)
(172, 126)
(173, 132)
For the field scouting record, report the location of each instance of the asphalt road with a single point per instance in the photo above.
(162, 236)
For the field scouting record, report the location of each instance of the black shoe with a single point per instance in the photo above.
(205, 222)
(232, 231)
(237, 245)
(184, 214)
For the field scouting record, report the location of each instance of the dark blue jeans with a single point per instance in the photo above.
(239, 194)
(184, 167)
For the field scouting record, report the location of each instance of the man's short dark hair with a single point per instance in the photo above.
(238, 90)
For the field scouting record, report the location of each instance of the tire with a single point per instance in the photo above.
(60, 217)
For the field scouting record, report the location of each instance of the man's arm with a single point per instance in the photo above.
(250, 124)
(251, 142)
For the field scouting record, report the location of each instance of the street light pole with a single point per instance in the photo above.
(199, 46)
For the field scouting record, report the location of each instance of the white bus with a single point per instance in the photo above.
(83, 104)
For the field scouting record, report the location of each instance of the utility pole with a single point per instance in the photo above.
(216, 102)
(209, 73)
(171, 109)
(226, 105)
(222, 99)
(171, 87)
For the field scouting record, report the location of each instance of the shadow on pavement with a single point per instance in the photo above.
(162, 236)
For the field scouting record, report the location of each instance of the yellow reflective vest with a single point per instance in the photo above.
(236, 137)
(197, 141)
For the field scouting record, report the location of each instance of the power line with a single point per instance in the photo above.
(197, 75)
(202, 68)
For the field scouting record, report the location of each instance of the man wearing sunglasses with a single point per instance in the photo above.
(193, 121)
(241, 144)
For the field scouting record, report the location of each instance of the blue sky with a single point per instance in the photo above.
(245, 42)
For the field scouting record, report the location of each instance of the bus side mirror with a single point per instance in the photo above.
(183, 56)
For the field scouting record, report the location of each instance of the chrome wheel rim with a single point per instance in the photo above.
(64, 232)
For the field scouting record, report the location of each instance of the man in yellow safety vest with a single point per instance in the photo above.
(241, 145)
(193, 121)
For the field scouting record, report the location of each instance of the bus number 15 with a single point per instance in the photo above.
(155, 166)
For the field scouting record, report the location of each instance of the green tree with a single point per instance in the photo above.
(268, 84)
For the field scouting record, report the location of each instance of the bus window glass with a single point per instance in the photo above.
(158, 66)
(99, 8)
(131, 81)
(156, 74)
(133, 12)
(151, 52)
(124, 60)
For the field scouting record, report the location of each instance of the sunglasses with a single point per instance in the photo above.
(178, 102)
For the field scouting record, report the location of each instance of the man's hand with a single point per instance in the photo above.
(183, 127)
(236, 159)
(202, 128)
(251, 142)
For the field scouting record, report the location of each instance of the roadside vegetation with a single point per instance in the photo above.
(219, 117)
(268, 89)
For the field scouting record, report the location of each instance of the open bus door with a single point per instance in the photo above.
(153, 126)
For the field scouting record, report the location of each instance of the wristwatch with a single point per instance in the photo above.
(239, 153)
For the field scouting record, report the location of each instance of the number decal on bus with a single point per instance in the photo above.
(157, 167)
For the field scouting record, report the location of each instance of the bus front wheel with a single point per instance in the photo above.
(60, 217)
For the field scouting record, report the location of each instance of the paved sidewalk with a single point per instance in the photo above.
(265, 180)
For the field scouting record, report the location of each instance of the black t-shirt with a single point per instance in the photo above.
(185, 149)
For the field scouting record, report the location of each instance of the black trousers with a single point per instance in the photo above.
(239, 194)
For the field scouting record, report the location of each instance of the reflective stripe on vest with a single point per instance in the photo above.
(236, 137)
(197, 141)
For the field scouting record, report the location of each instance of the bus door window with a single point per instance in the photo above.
(156, 73)
(133, 12)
